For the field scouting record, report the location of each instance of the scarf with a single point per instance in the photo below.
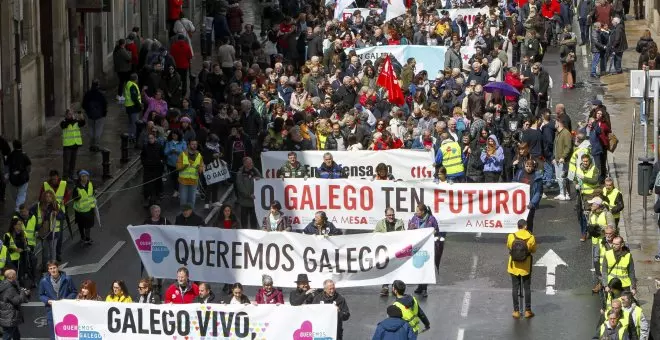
(215, 147)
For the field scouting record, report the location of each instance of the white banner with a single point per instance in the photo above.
(348, 13)
(90, 320)
(360, 204)
(403, 164)
(228, 256)
(428, 58)
(467, 13)
(216, 171)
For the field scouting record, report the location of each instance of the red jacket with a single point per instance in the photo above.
(182, 54)
(513, 80)
(135, 57)
(173, 294)
(176, 7)
(275, 297)
(551, 10)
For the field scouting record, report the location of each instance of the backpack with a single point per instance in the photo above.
(519, 251)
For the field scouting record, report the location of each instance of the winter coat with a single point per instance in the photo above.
(643, 44)
(11, 297)
(298, 297)
(245, 186)
(47, 292)
(311, 229)
(598, 41)
(281, 225)
(18, 167)
(264, 298)
(330, 172)
(175, 295)
(381, 226)
(209, 299)
(151, 297)
(172, 151)
(535, 186)
(394, 329)
(193, 220)
(618, 40)
(121, 58)
(342, 315)
(493, 163)
(182, 54)
(523, 268)
(418, 223)
(172, 89)
(594, 141)
(95, 104)
(548, 133)
(152, 157)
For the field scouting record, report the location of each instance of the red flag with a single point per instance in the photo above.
(387, 79)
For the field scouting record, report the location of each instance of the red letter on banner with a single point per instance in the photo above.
(290, 200)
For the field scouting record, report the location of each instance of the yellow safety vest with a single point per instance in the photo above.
(599, 220)
(322, 140)
(30, 230)
(128, 100)
(86, 202)
(410, 315)
(601, 252)
(620, 270)
(573, 163)
(451, 158)
(13, 255)
(622, 329)
(611, 197)
(190, 170)
(3, 260)
(71, 135)
(59, 194)
(40, 221)
(587, 189)
(637, 313)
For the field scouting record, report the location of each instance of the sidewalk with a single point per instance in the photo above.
(643, 240)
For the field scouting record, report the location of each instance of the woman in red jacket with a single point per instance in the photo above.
(267, 294)
(513, 78)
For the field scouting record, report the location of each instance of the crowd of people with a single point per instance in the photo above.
(300, 85)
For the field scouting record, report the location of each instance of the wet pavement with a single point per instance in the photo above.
(472, 297)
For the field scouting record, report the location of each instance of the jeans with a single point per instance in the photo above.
(21, 194)
(11, 333)
(584, 31)
(598, 60)
(515, 291)
(187, 194)
(548, 173)
(618, 57)
(560, 174)
(95, 131)
(69, 156)
(132, 120)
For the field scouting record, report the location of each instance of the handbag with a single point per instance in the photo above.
(614, 142)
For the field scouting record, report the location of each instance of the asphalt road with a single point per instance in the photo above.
(472, 298)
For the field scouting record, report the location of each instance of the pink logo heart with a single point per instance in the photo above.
(405, 252)
(68, 328)
(304, 332)
(144, 242)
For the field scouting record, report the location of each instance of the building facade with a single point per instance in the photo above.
(55, 39)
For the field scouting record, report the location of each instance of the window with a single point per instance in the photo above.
(27, 28)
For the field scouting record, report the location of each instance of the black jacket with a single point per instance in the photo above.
(343, 314)
(208, 299)
(193, 221)
(95, 104)
(298, 297)
(152, 156)
(315, 47)
(18, 167)
(11, 299)
(151, 297)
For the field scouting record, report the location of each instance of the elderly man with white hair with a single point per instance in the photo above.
(331, 297)
(346, 93)
(618, 43)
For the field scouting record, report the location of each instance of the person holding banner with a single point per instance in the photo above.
(88, 291)
(424, 218)
(154, 217)
(329, 169)
(303, 294)
(237, 297)
(321, 226)
(55, 285)
(451, 157)
(206, 295)
(330, 296)
(388, 224)
(211, 151)
(292, 168)
(275, 220)
(118, 293)
(146, 293)
(227, 219)
(267, 294)
(182, 291)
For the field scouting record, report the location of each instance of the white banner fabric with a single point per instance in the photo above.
(228, 256)
(360, 204)
(467, 13)
(403, 164)
(429, 58)
(348, 12)
(216, 171)
(105, 320)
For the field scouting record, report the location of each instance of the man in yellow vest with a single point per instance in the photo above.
(640, 322)
(16, 242)
(4, 259)
(132, 104)
(604, 244)
(84, 204)
(586, 180)
(58, 186)
(48, 212)
(618, 262)
(409, 306)
(190, 165)
(71, 140)
(614, 199)
(30, 229)
(612, 328)
(451, 157)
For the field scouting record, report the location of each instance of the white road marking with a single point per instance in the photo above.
(461, 334)
(94, 267)
(478, 235)
(465, 306)
(473, 270)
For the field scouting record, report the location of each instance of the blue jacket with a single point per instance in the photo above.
(394, 329)
(493, 163)
(334, 171)
(596, 147)
(46, 292)
(464, 28)
(171, 145)
(535, 187)
(418, 144)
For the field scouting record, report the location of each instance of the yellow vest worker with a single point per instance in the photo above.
(614, 198)
(3, 260)
(14, 254)
(618, 268)
(61, 189)
(620, 330)
(128, 99)
(583, 149)
(86, 201)
(587, 177)
(189, 171)
(30, 229)
(450, 156)
(71, 135)
(409, 307)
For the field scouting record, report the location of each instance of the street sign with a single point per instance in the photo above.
(638, 81)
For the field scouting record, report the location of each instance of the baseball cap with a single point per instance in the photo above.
(596, 200)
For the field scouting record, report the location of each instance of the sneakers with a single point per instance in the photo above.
(559, 197)
(567, 197)
(544, 196)
(516, 314)
(175, 194)
(385, 291)
(584, 238)
(529, 314)
(206, 206)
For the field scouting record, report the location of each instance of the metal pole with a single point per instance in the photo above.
(19, 82)
(83, 24)
(630, 164)
(655, 119)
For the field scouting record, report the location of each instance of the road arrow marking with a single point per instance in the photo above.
(550, 260)
(93, 267)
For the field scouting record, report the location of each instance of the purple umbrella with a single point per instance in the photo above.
(503, 87)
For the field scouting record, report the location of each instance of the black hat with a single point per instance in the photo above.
(302, 278)
(394, 311)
